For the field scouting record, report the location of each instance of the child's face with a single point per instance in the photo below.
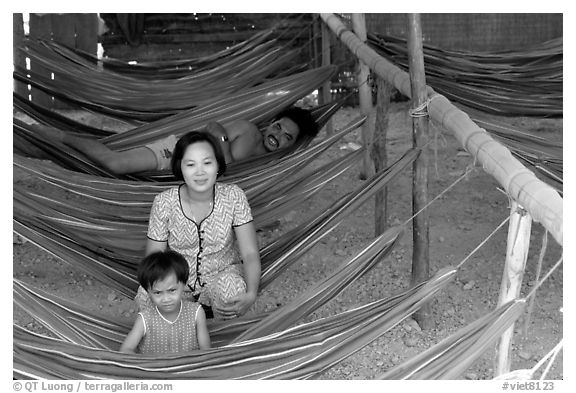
(166, 294)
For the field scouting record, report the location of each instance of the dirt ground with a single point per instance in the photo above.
(460, 220)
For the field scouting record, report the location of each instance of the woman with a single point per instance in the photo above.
(202, 219)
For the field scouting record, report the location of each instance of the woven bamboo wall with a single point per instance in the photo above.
(474, 32)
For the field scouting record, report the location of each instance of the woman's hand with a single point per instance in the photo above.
(236, 306)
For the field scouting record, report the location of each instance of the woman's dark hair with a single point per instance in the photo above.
(159, 265)
(195, 137)
(307, 126)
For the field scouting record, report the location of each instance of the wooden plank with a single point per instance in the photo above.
(542, 201)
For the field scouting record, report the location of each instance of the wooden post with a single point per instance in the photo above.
(41, 28)
(420, 224)
(379, 153)
(365, 98)
(325, 95)
(518, 243)
(316, 42)
(86, 30)
(19, 58)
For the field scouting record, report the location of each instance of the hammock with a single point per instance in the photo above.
(120, 236)
(258, 105)
(299, 352)
(150, 100)
(134, 198)
(341, 278)
(57, 120)
(181, 67)
(261, 346)
(525, 82)
(302, 351)
(543, 156)
(122, 208)
(114, 228)
(161, 69)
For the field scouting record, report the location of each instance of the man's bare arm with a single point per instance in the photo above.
(218, 130)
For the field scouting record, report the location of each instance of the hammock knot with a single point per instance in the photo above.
(422, 110)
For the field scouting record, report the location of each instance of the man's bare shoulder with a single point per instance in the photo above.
(243, 128)
(245, 138)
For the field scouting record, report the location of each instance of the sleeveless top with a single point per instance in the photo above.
(162, 336)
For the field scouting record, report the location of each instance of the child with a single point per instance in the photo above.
(171, 324)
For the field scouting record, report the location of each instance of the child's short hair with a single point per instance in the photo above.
(159, 265)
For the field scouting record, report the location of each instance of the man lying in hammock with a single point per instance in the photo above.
(239, 139)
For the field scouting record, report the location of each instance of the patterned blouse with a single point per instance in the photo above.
(162, 336)
(208, 246)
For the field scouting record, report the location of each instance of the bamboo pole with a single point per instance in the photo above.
(325, 91)
(542, 202)
(365, 98)
(516, 255)
(420, 224)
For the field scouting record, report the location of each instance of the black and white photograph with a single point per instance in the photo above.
(287, 196)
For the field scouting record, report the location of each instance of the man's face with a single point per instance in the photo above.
(280, 134)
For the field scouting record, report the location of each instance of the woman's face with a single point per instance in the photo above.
(199, 167)
(280, 134)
